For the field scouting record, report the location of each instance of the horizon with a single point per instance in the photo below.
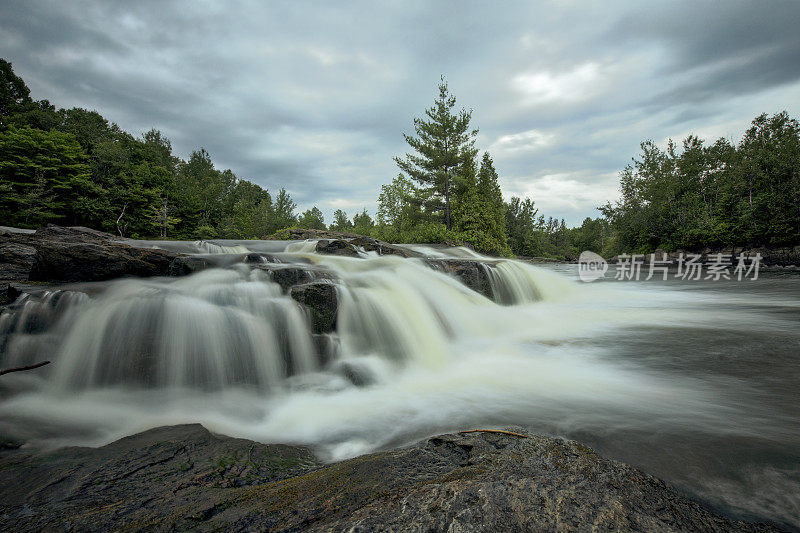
(562, 96)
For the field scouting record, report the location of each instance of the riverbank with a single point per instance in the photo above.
(184, 477)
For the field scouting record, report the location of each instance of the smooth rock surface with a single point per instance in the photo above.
(185, 478)
(470, 272)
(60, 255)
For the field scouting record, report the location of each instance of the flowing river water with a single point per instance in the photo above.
(696, 382)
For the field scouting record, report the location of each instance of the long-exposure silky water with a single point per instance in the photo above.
(410, 350)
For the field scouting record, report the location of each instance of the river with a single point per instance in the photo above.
(696, 382)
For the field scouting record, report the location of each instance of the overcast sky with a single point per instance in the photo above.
(315, 97)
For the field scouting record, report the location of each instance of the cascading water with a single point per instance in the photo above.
(217, 329)
(410, 350)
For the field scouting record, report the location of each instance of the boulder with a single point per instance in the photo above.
(57, 254)
(184, 478)
(17, 256)
(382, 248)
(471, 273)
(288, 277)
(336, 247)
(69, 261)
(322, 302)
(8, 293)
(185, 265)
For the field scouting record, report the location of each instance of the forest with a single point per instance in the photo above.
(74, 167)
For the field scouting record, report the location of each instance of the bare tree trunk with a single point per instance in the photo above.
(121, 229)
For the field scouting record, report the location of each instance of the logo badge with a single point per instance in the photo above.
(591, 266)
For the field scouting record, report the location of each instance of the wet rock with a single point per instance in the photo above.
(8, 293)
(327, 348)
(180, 474)
(257, 258)
(16, 256)
(322, 302)
(382, 248)
(183, 477)
(471, 273)
(95, 261)
(288, 277)
(356, 372)
(74, 233)
(183, 266)
(57, 254)
(368, 244)
(336, 247)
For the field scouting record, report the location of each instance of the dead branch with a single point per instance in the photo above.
(21, 368)
(520, 435)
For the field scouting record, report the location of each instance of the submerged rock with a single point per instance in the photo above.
(183, 266)
(183, 477)
(288, 277)
(322, 301)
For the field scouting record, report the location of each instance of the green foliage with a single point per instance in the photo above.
(444, 147)
(14, 94)
(716, 194)
(46, 177)
(284, 216)
(362, 223)
(398, 208)
(454, 201)
(312, 219)
(73, 167)
(340, 221)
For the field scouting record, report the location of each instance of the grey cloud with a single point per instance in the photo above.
(314, 96)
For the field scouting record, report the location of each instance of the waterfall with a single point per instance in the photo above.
(235, 327)
(245, 337)
(215, 329)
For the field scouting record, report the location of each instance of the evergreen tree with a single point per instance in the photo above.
(284, 211)
(14, 94)
(362, 223)
(340, 221)
(444, 145)
(493, 218)
(312, 219)
(47, 178)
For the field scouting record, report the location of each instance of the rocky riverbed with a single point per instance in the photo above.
(184, 477)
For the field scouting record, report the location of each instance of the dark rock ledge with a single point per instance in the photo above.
(56, 254)
(184, 478)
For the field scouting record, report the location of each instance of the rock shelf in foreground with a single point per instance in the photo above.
(184, 477)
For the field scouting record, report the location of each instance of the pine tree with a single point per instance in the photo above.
(284, 211)
(312, 219)
(493, 216)
(444, 145)
(340, 221)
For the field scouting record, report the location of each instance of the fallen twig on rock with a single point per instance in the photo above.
(21, 368)
(494, 431)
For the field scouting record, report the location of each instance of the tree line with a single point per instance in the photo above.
(699, 194)
(73, 167)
